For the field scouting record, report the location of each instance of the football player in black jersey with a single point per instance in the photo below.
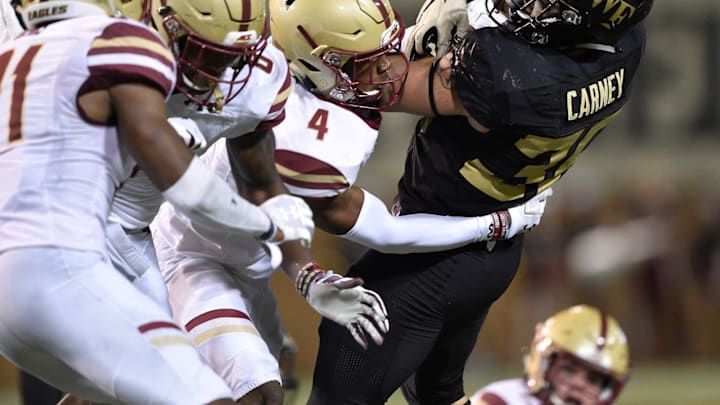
(506, 111)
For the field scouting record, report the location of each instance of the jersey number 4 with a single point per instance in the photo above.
(319, 122)
(19, 81)
(562, 154)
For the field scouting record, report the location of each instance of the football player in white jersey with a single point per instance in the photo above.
(578, 356)
(85, 100)
(203, 115)
(221, 291)
(211, 99)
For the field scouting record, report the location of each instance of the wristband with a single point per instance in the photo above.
(308, 273)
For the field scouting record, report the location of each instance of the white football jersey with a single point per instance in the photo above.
(59, 171)
(320, 148)
(505, 392)
(260, 105)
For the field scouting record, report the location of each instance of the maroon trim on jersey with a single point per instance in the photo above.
(215, 314)
(123, 28)
(492, 399)
(157, 325)
(132, 50)
(281, 104)
(132, 39)
(308, 165)
(384, 12)
(270, 124)
(102, 77)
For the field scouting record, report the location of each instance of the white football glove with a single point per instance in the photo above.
(343, 301)
(527, 216)
(435, 26)
(506, 224)
(189, 132)
(291, 218)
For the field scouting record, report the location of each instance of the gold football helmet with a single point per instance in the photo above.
(587, 335)
(329, 43)
(207, 36)
(39, 12)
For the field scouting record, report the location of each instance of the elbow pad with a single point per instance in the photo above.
(212, 205)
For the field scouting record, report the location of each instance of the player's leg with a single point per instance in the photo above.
(219, 317)
(481, 278)
(34, 391)
(345, 373)
(133, 254)
(70, 318)
(290, 381)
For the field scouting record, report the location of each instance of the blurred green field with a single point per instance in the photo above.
(651, 384)
(661, 384)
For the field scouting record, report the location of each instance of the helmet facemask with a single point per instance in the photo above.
(607, 385)
(362, 79)
(572, 23)
(534, 20)
(211, 73)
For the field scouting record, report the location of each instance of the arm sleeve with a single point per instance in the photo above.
(213, 206)
(376, 228)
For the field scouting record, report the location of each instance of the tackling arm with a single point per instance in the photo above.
(360, 216)
(252, 159)
(183, 179)
(340, 299)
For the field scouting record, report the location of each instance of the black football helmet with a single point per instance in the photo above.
(572, 23)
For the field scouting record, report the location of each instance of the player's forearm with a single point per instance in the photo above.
(378, 229)
(295, 256)
(211, 204)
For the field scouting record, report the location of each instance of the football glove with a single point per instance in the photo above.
(519, 219)
(291, 219)
(189, 132)
(344, 301)
(437, 23)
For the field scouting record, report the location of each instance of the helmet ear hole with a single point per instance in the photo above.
(308, 66)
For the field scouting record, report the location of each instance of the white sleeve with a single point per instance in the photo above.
(213, 206)
(9, 24)
(376, 228)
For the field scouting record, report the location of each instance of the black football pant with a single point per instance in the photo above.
(34, 391)
(437, 303)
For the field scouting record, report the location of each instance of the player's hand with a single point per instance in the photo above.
(527, 216)
(343, 300)
(291, 218)
(189, 132)
(435, 26)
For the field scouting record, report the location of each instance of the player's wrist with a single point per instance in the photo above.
(269, 235)
(308, 274)
(500, 225)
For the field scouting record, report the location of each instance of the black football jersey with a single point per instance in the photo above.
(542, 107)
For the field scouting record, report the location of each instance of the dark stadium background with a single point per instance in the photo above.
(634, 228)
